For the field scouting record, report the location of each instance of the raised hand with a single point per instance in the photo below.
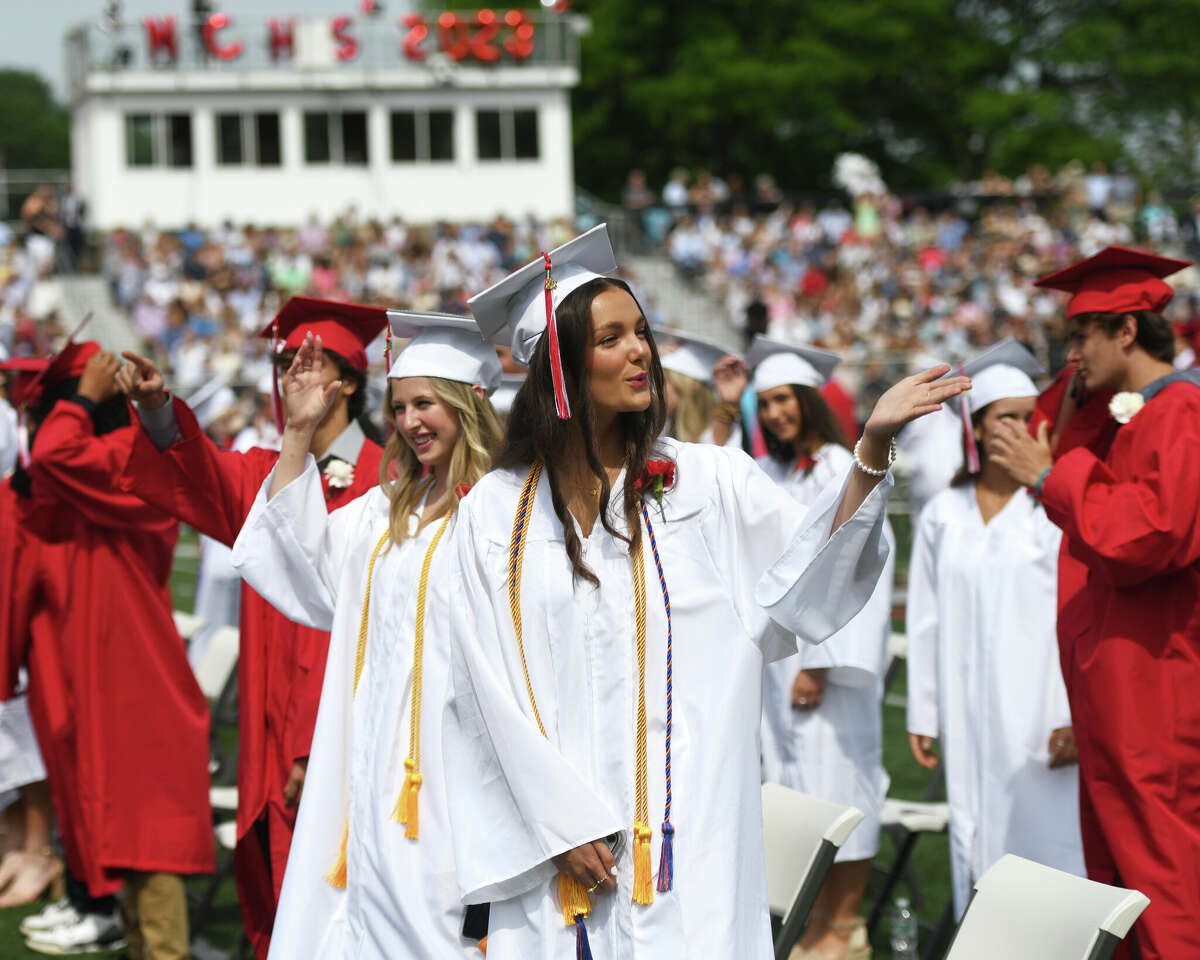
(912, 397)
(306, 397)
(98, 383)
(141, 381)
(730, 377)
(1023, 457)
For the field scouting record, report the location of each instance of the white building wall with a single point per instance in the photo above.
(421, 192)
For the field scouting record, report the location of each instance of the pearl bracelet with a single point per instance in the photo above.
(871, 471)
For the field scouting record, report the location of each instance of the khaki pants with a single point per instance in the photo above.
(156, 921)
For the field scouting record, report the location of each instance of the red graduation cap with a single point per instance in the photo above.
(26, 372)
(1116, 280)
(344, 328)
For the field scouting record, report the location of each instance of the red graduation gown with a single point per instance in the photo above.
(1134, 672)
(281, 664)
(122, 724)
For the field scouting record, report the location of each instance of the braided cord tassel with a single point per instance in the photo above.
(336, 875)
(666, 861)
(405, 811)
(643, 882)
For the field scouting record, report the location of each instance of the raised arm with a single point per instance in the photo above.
(306, 400)
(912, 397)
(173, 465)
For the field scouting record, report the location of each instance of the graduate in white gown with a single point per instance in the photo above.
(371, 869)
(822, 707)
(983, 669)
(690, 390)
(616, 599)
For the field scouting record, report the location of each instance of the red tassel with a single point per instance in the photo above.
(276, 397)
(561, 405)
(973, 465)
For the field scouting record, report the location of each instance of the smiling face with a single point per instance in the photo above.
(426, 423)
(1012, 410)
(618, 355)
(779, 411)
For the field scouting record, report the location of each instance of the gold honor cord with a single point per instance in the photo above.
(337, 874)
(573, 896)
(405, 811)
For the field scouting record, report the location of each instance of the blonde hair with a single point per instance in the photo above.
(697, 406)
(402, 476)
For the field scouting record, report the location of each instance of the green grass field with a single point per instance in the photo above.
(930, 861)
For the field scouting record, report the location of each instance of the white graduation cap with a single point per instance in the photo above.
(502, 399)
(1005, 369)
(528, 298)
(443, 345)
(693, 357)
(212, 401)
(777, 364)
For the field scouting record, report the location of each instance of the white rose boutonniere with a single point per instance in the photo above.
(1123, 406)
(339, 473)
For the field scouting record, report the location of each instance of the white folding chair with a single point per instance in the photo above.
(218, 663)
(801, 836)
(188, 624)
(905, 821)
(1024, 909)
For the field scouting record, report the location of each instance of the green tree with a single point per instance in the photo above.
(34, 129)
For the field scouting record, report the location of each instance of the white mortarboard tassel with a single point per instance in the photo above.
(528, 299)
(778, 364)
(445, 346)
(693, 357)
(1002, 371)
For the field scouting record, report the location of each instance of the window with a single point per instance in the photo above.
(525, 134)
(336, 137)
(248, 138)
(229, 139)
(139, 140)
(487, 134)
(506, 134)
(422, 135)
(158, 140)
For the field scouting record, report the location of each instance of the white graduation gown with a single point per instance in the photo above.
(835, 751)
(747, 570)
(401, 898)
(984, 677)
(20, 758)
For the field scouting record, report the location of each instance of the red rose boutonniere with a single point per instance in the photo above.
(656, 476)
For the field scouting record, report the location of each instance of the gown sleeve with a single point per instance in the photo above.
(515, 801)
(922, 625)
(206, 488)
(818, 582)
(292, 551)
(1133, 530)
(69, 464)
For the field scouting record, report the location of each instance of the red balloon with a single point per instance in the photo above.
(215, 23)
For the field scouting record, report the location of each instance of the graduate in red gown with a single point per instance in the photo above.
(1131, 519)
(121, 723)
(281, 665)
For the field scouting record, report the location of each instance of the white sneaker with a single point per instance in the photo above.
(92, 933)
(52, 915)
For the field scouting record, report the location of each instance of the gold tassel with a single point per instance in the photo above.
(573, 898)
(336, 877)
(643, 882)
(412, 784)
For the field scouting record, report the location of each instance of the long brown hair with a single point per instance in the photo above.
(817, 423)
(402, 476)
(536, 433)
